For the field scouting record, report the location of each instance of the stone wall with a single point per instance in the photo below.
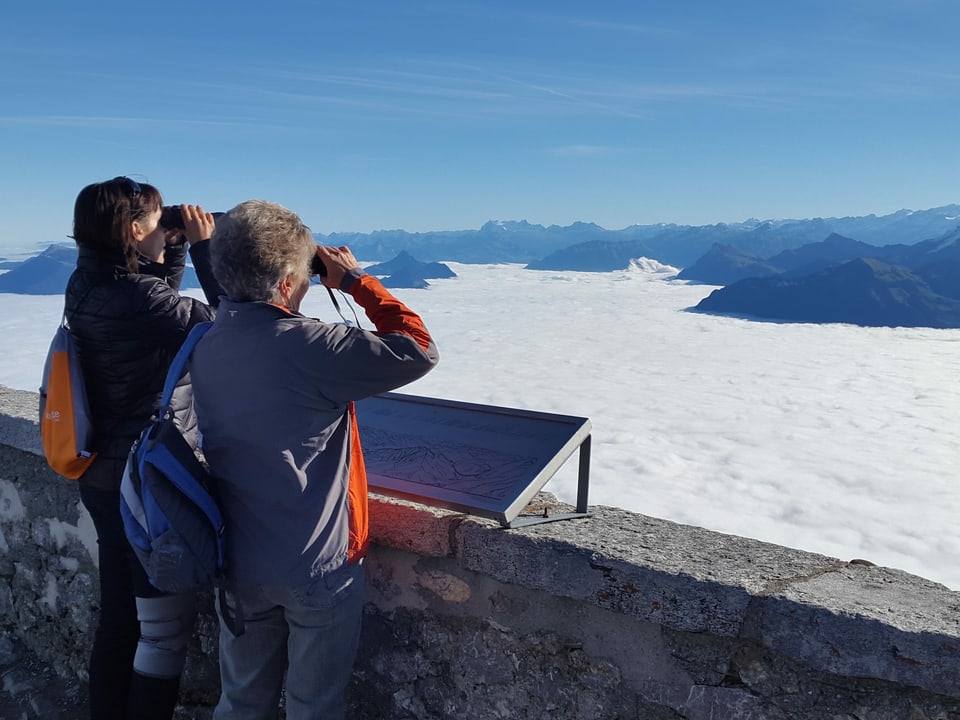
(613, 616)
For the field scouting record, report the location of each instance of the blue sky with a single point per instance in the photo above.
(429, 114)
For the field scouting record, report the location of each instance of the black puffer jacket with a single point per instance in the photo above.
(128, 326)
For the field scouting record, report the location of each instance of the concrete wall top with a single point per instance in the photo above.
(19, 419)
(847, 618)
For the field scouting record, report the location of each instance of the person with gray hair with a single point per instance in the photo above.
(258, 244)
(274, 395)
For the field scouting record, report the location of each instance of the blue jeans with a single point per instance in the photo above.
(310, 631)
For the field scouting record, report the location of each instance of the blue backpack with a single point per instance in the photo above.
(167, 498)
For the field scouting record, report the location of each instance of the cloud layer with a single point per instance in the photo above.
(831, 438)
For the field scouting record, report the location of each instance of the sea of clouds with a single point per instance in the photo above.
(835, 439)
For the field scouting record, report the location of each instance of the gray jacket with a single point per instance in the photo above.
(273, 394)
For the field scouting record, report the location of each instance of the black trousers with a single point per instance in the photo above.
(116, 692)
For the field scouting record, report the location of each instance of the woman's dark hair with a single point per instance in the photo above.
(104, 212)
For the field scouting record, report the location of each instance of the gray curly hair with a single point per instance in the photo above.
(255, 245)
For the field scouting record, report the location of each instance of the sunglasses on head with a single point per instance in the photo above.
(132, 185)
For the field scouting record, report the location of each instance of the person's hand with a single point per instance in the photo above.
(197, 224)
(173, 238)
(338, 261)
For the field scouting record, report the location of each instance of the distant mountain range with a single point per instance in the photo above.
(589, 247)
(47, 273)
(898, 269)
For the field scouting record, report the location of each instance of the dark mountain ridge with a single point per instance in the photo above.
(405, 271)
(47, 273)
(405, 262)
(43, 274)
(862, 291)
(838, 280)
(725, 264)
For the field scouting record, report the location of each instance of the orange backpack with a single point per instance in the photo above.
(65, 427)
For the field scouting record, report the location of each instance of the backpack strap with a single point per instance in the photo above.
(180, 361)
(231, 612)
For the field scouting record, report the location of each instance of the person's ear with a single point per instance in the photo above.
(286, 287)
(136, 231)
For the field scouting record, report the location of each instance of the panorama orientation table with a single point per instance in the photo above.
(483, 460)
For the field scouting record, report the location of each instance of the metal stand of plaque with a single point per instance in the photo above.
(479, 459)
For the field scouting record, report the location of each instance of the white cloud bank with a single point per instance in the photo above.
(831, 438)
